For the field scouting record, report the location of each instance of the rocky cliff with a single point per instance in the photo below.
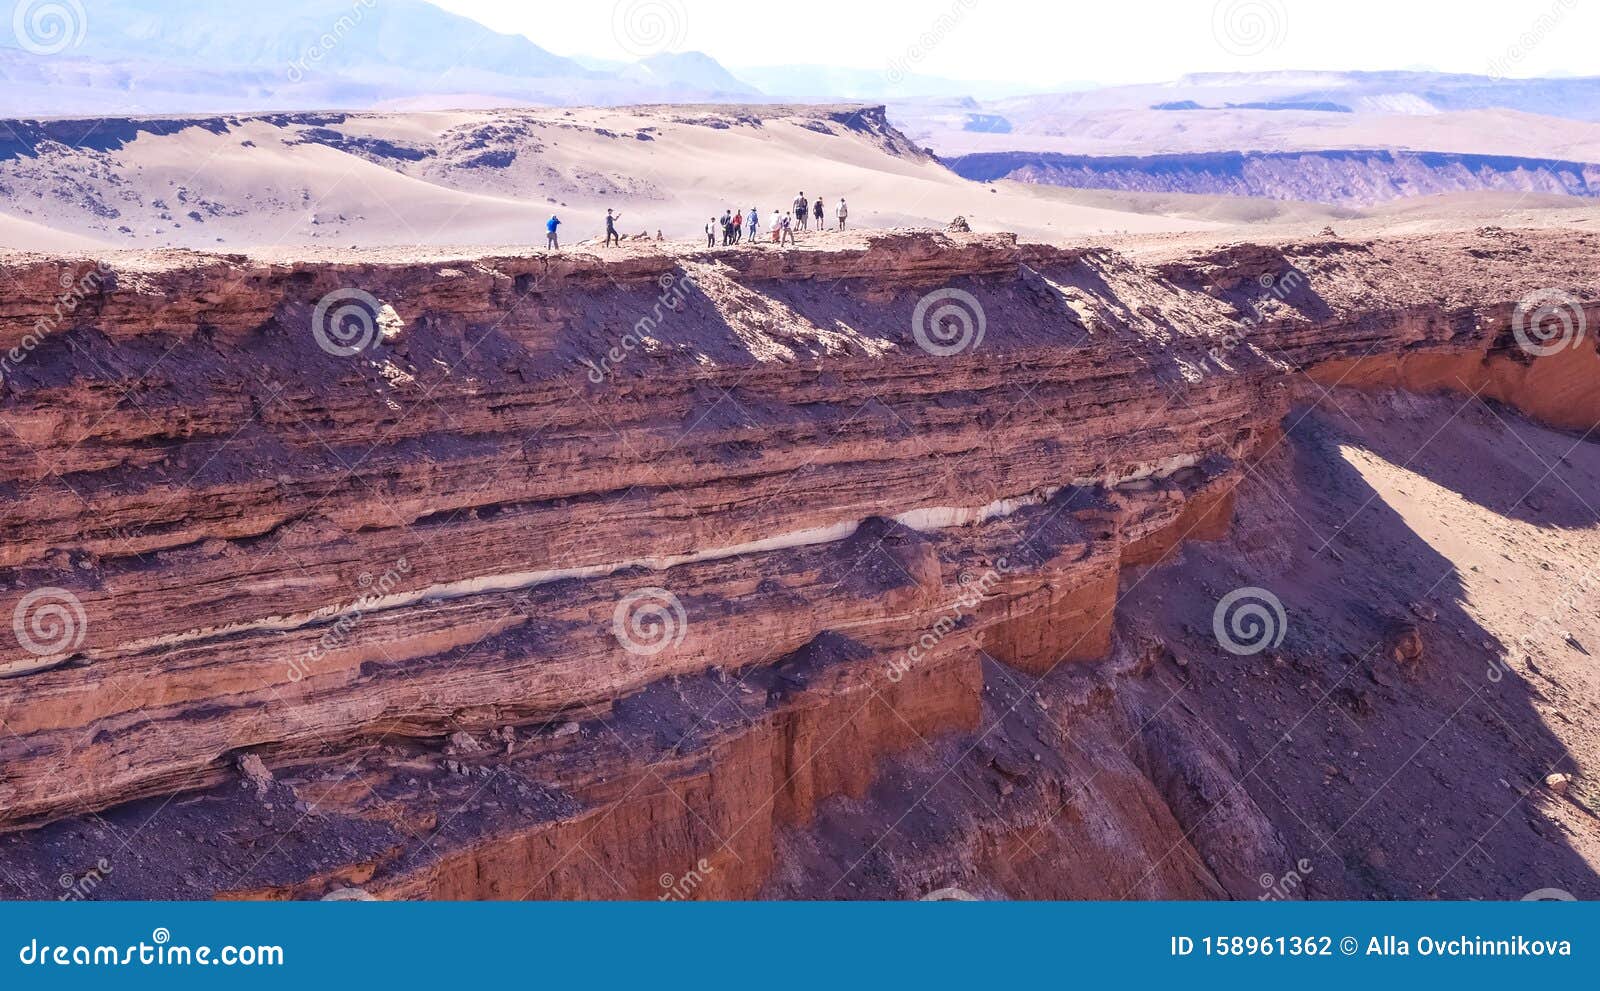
(1349, 177)
(568, 576)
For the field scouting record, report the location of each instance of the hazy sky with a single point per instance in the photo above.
(1036, 42)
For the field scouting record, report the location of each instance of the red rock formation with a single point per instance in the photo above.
(334, 563)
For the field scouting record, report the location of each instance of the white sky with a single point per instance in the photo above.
(1041, 43)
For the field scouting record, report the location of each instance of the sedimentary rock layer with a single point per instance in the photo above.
(504, 496)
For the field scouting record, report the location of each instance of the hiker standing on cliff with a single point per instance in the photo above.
(753, 225)
(844, 213)
(727, 228)
(611, 229)
(550, 240)
(711, 233)
(801, 211)
(821, 215)
(738, 227)
(787, 236)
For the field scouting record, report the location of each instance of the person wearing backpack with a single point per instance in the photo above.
(844, 213)
(550, 240)
(802, 212)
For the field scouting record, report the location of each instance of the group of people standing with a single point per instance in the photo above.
(734, 227)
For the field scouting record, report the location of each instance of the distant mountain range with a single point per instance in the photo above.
(169, 56)
(126, 57)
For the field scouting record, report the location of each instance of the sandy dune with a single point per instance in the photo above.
(494, 177)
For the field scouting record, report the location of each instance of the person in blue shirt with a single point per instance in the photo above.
(551, 241)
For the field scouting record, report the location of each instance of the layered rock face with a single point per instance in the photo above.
(1355, 177)
(565, 576)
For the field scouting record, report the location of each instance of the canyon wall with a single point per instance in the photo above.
(1347, 177)
(564, 576)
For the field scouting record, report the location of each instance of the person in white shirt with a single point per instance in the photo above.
(844, 213)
